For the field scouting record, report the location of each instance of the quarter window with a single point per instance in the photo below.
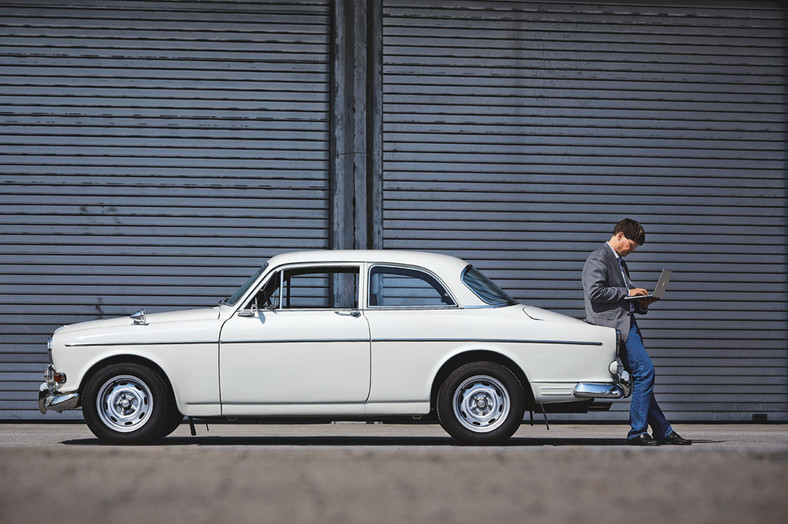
(484, 288)
(405, 287)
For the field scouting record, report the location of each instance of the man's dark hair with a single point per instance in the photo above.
(632, 230)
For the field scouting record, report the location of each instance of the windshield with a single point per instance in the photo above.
(243, 289)
(484, 288)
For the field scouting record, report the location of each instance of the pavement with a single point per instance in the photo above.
(381, 473)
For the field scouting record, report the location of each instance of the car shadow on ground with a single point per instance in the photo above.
(355, 441)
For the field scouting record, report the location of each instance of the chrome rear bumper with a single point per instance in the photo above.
(620, 388)
(589, 390)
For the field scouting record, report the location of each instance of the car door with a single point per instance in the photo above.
(300, 346)
(414, 321)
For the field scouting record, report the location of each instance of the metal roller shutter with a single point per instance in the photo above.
(151, 154)
(516, 134)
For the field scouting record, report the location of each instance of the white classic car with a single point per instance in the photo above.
(337, 335)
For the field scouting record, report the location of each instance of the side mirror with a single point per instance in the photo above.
(251, 312)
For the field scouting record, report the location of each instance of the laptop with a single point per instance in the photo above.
(662, 284)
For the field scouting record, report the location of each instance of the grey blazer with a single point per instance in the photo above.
(604, 289)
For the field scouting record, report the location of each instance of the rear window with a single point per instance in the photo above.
(484, 288)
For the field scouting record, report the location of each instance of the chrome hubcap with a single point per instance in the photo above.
(481, 404)
(124, 403)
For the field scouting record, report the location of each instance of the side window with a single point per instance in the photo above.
(311, 288)
(404, 287)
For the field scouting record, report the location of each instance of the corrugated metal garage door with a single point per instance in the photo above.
(516, 134)
(152, 154)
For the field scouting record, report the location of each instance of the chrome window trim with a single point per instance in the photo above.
(280, 271)
(490, 306)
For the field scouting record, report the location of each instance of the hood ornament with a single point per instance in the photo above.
(139, 317)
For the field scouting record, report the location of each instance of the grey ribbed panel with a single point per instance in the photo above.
(516, 134)
(151, 154)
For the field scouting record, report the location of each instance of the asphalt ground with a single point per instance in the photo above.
(381, 473)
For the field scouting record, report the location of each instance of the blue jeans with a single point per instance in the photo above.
(644, 410)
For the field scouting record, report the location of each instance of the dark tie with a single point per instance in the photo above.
(623, 266)
(626, 270)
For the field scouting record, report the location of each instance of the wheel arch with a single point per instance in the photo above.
(481, 356)
(125, 359)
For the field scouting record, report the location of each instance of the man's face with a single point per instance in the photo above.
(623, 245)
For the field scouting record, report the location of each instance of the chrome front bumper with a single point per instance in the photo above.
(49, 399)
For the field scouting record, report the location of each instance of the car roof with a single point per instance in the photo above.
(448, 268)
(432, 261)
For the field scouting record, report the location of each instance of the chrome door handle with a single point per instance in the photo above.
(355, 313)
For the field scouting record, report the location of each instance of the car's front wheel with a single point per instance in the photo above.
(481, 403)
(127, 404)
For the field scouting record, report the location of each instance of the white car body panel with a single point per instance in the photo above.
(184, 344)
(367, 361)
(293, 357)
(555, 355)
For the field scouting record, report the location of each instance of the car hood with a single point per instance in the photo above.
(124, 330)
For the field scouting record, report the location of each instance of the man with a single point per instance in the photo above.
(606, 283)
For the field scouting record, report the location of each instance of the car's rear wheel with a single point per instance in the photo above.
(481, 403)
(127, 404)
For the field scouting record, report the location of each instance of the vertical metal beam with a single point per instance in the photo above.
(375, 124)
(340, 194)
(356, 133)
(359, 52)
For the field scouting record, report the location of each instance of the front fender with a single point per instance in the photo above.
(190, 368)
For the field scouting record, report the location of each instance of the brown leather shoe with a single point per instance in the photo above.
(675, 440)
(642, 440)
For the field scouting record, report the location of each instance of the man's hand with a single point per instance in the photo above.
(644, 303)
